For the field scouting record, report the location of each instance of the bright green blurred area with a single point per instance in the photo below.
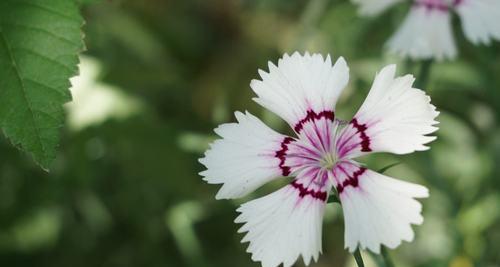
(158, 76)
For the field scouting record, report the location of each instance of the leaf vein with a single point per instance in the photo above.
(48, 115)
(24, 92)
(54, 61)
(45, 9)
(45, 86)
(42, 30)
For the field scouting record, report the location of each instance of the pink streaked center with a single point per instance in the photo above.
(318, 150)
(439, 5)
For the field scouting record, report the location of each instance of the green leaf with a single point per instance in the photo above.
(39, 45)
(386, 168)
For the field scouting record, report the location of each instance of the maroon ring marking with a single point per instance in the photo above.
(281, 155)
(365, 140)
(351, 180)
(431, 6)
(304, 191)
(311, 116)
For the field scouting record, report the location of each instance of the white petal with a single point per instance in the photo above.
(301, 84)
(245, 158)
(378, 210)
(426, 33)
(284, 225)
(374, 7)
(394, 118)
(480, 20)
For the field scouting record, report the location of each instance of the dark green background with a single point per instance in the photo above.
(124, 191)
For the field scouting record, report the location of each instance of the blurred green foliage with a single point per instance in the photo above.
(124, 189)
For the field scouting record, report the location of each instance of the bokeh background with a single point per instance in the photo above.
(159, 75)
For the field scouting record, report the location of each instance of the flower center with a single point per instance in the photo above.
(329, 160)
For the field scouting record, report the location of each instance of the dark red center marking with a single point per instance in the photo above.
(351, 180)
(309, 192)
(365, 140)
(281, 155)
(431, 5)
(311, 116)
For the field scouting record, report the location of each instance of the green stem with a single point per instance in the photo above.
(358, 258)
(387, 258)
(333, 198)
(313, 12)
(423, 76)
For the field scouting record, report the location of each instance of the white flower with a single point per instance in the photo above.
(303, 90)
(480, 19)
(426, 32)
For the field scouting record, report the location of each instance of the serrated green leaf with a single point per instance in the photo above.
(39, 45)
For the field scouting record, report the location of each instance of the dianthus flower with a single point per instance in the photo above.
(303, 90)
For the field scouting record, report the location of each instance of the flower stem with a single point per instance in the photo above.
(358, 258)
(333, 198)
(387, 258)
(312, 13)
(424, 74)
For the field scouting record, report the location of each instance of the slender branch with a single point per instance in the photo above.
(424, 74)
(358, 258)
(387, 258)
(312, 13)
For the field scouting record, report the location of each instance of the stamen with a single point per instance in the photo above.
(329, 161)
